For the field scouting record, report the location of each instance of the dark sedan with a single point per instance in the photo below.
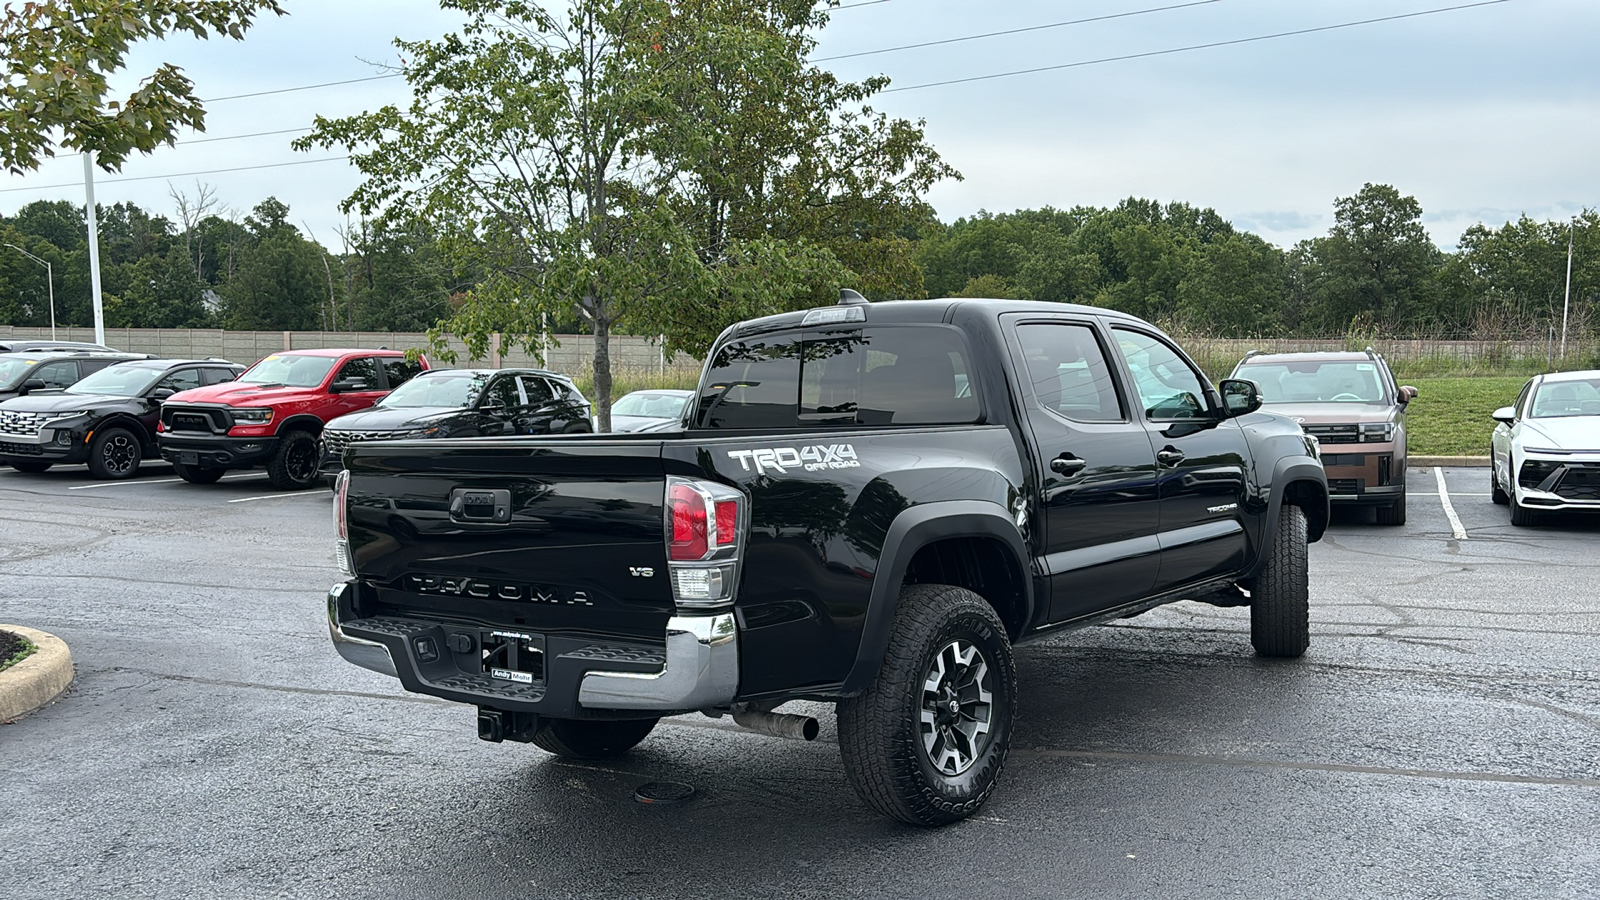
(107, 419)
(463, 403)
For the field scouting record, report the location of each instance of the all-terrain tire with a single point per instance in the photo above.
(1521, 516)
(115, 453)
(32, 468)
(903, 747)
(197, 474)
(591, 739)
(1394, 513)
(293, 466)
(1499, 496)
(1280, 602)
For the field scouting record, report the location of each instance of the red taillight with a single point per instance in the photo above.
(727, 522)
(688, 510)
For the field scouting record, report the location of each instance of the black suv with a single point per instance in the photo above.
(107, 419)
(36, 370)
(463, 403)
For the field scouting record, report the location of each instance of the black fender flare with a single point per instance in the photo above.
(301, 422)
(912, 530)
(1288, 471)
(147, 440)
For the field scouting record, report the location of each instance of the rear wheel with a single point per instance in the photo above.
(1280, 602)
(591, 739)
(1394, 513)
(114, 453)
(197, 474)
(926, 741)
(32, 468)
(293, 467)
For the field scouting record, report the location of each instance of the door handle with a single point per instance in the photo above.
(1067, 464)
(1169, 456)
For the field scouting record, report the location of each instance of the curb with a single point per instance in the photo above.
(1476, 462)
(36, 680)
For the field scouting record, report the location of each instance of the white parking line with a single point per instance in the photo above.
(1449, 511)
(106, 484)
(282, 496)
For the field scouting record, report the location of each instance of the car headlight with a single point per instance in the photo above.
(57, 417)
(1535, 471)
(252, 416)
(1372, 432)
(433, 431)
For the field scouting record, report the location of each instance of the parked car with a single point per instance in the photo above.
(42, 370)
(1545, 450)
(18, 345)
(463, 403)
(650, 410)
(1350, 403)
(844, 518)
(107, 419)
(273, 414)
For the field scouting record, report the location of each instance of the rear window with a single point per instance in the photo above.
(905, 375)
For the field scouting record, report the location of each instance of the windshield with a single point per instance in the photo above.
(652, 404)
(448, 389)
(1316, 382)
(118, 381)
(289, 371)
(12, 370)
(1557, 399)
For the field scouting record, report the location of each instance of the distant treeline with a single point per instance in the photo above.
(1375, 272)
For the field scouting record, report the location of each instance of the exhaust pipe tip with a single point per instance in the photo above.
(784, 725)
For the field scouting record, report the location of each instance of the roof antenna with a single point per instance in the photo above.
(848, 297)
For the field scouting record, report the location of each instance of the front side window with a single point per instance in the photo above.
(1067, 372)
(502, 393)
(364, 369)
(400, 371)
(181, 380)
(1168, 389)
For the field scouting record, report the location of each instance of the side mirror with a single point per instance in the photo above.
(32, 384)
(160, 394)
(1240, 397)
(1407, 393)
(1505, 415)
(345, 385)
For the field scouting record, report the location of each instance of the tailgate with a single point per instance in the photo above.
(555, 534)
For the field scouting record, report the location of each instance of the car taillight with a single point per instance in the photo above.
(341, 524)
(703, 531)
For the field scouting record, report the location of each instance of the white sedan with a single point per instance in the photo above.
(1545, 453)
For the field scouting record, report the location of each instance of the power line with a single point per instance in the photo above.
(310, 87)
(1263, 37)
(974, 37)
(240, 137)
(854, 5)
(298, 162)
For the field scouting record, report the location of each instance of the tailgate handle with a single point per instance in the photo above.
(480, 505)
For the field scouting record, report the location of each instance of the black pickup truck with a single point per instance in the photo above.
(867, 504)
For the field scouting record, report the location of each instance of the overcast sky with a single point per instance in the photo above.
(1481, 113)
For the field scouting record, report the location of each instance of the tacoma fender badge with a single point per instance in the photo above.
(1226, 507)
(641, 571)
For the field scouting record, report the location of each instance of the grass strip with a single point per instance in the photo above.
(14, 648)
(1450, 416)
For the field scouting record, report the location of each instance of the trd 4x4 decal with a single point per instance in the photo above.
(814, 458)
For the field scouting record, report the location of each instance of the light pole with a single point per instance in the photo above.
(1566, 299)
(50, 282)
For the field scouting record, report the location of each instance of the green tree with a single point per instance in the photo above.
(279, 282)
(622, 162)
(59, 55)
(1377, 264)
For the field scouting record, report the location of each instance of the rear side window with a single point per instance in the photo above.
(906, 375)
(537, 389)
(400, 371)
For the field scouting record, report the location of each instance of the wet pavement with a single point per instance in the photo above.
(1440, 739)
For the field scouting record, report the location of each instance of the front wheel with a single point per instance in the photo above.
(114, 453)
(1496, 493)
(32, 468)
(1521, 516)
(926, 741)
(197, 474)
(1394, 513)
(293, 467)
(1280, 602)
(590, 738)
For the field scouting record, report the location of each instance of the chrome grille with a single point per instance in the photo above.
(1333, 434)
(20, 423)
(335, 442)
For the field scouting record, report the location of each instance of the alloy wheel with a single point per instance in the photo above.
(957, 705)
(120, 454)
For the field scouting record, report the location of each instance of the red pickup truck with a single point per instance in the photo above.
(273, 414)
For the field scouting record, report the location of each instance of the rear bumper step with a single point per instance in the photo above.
(696, 668)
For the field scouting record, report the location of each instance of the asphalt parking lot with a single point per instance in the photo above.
(1440, 739)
